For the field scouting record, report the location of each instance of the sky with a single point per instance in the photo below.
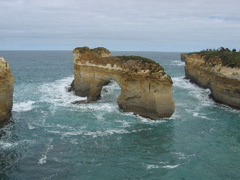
(120, 25)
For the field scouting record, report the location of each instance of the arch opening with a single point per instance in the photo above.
(110, 92)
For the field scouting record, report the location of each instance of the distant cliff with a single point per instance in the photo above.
(217, 74)
(146, 89)
(6, 91)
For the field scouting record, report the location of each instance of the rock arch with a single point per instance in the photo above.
(146, 89)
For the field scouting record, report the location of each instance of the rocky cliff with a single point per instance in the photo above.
(223, 81)
(146, 89)
(6, 91)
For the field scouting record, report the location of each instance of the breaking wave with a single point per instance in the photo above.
(23, 106)
(56, 93)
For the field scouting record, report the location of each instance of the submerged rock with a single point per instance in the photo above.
(146, 89)
(6, 91)
(222, 80)
(80, 102)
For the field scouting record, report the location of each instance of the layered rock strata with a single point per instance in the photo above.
(223, 81)
(146, 89)
(6, 91)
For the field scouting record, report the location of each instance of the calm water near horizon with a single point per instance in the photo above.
(48, 137)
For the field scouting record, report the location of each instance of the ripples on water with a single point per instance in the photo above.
(51, 138)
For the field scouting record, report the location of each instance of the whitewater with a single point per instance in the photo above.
(48, 137)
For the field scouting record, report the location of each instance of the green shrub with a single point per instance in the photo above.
(82, 49)
(228, 58)
(137, 58)
(97, 50)
(100, 49)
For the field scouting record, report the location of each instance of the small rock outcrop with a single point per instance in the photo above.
(222, 80)
(6, 91)
(146, 89)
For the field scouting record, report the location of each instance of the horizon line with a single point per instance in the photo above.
(108, 49)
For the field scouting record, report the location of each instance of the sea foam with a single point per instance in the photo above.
(23, 106)
(56, 92)
(43, 159)
(7, 145)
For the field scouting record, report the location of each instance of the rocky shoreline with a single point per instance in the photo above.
(223, 81)
(6, 92)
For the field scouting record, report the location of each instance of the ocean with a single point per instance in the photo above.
(48, 137)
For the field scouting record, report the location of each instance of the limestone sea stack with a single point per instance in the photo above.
(146, 89)
(218, 71)
(6, 91)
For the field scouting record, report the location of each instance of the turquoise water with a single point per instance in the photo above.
(50, 138)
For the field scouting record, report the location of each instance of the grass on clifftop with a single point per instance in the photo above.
(137, 58)
(229, 58)
(96, 50)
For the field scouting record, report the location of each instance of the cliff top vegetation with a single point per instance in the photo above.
(137, 58)
(230, 58)
(100, 50)
(97, 50)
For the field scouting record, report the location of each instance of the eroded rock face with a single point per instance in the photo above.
(146, 89)
(6, 91)
(224, 82)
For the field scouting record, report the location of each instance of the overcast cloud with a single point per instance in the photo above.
(157, 25)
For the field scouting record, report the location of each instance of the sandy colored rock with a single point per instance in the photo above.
(223, 81)
(6, 91)
(146, 89)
